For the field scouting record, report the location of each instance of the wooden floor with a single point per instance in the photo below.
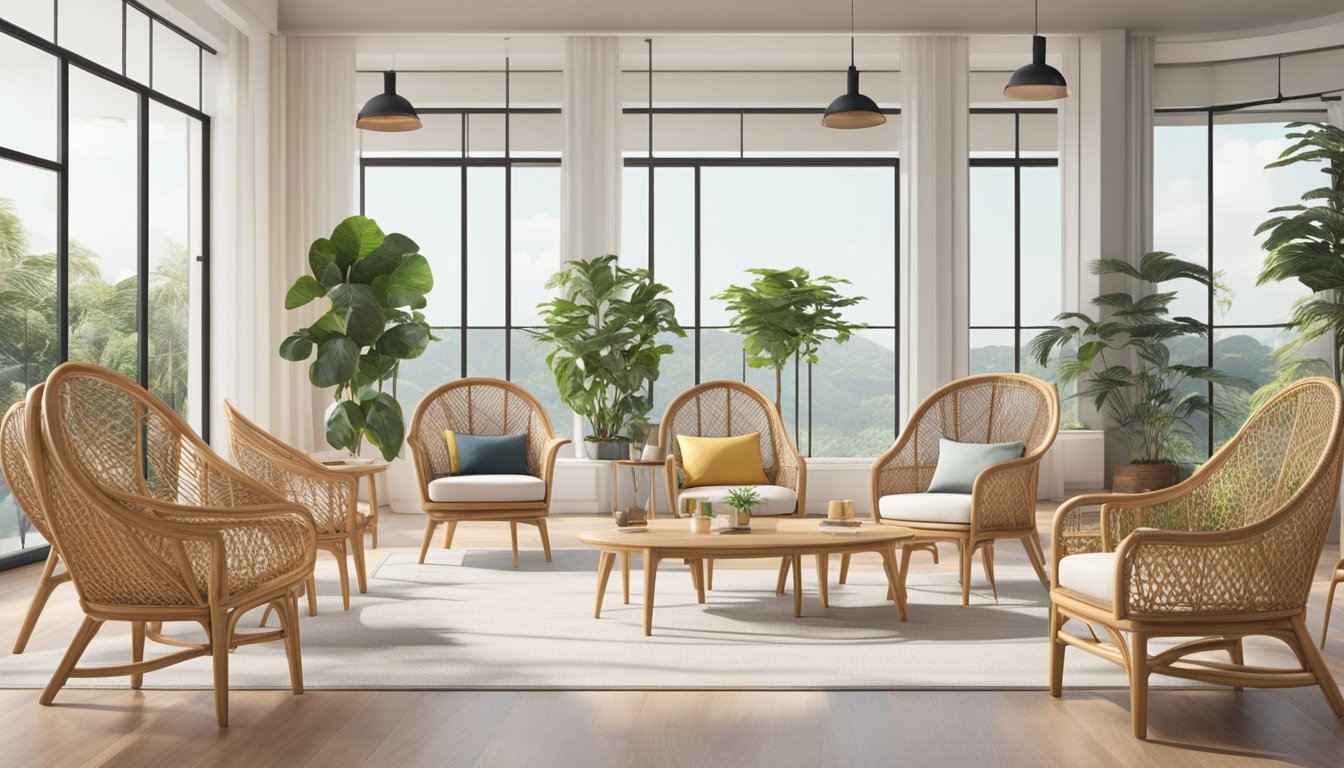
(400, 729)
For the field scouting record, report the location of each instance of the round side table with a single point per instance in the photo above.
(636, 466)
(360, 471)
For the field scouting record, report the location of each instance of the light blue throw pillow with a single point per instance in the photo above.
(960, 463)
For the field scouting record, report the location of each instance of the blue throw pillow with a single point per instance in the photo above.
(960, 463)
(491, 454)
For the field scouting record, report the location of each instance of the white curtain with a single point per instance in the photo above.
(591, 164)
(934, 168)
(314, 156)
(1139, 98)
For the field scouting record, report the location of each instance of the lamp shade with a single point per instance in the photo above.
(853, 109)
(388, 111)
(1036, 81)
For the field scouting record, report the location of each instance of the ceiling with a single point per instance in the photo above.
(1168, 17)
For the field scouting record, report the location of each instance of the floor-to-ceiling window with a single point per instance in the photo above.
(1210, 191)
(103, 184)
(1016, 268)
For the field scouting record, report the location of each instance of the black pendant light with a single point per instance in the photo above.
(1037, 81)
(852, 109)
(388, 111)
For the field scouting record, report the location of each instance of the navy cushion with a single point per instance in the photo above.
(492, 454)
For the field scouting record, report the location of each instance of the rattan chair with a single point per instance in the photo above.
(155, 527)
(22, 416)
(989, 408)
(728, 409)
(331, 497)
(1231, 552)
(483, 406)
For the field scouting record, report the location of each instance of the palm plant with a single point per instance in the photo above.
(1150, 404)
(1305, 241)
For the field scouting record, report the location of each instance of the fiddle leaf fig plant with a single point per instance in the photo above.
(787, 312)
(376, 284)
(604, 326)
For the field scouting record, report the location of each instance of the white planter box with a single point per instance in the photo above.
(1083, 453)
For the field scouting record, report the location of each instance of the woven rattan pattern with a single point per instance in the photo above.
(18, 475)
(481, 407)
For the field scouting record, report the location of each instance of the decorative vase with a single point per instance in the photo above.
(701, 524)
(1141, 478)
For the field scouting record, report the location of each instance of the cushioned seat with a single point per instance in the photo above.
(487, 488)
(775, 499)
(1092, 574)
(926, 507)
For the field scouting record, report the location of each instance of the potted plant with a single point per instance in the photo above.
(703, 518)
(786, 313)
(375, 284)
(742, 501)
(604, 326)
(1150, 403)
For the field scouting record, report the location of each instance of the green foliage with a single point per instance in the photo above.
(375, 284)
(603, 326)
(786, 313)
(1305, 242)
(1150, 403)
(743, 498)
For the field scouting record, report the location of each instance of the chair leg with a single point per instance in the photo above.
(783, 575)
(343, 569)
(45, 586)
(987, 560)
(1057, 648)
(312, 595)
(1329, 601)
(137, 651)
(513, 536)
(1316, 665)
(1035, 558)
(545, 538)
(844, 568)
(430, 525)
(219, 654)
(289, 618)
(1237, 655)
(1138, 684)
(357, 549)
(83, 636)
(449, 529)
(964, 554)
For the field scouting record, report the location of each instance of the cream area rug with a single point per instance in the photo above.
(468, 619)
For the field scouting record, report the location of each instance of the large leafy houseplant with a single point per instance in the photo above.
(604, 326)
(786, 313)
(375, 284)
(1151, 403)
(1305, 242)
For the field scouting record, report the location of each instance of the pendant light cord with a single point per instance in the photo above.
(1036, 17)
(851, 33)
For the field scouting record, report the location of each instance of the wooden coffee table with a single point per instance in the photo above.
(791, 538)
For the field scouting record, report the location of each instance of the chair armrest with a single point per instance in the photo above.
(331, 497)
(548, 454)
(1070, 534)
(1004, 495)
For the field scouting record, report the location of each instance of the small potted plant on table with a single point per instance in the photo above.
(741, 501)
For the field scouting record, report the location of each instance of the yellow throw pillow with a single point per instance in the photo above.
(722, 460)
(454, 461)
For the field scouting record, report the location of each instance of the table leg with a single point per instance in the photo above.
(615, 503)
(844, 567)
(797, 562)
(653, 493)
(625, 577)
(699, 566)
(373, 507)
(894, 579)
(709, 573)
(823, 563)
(650, 574)
(603, 572)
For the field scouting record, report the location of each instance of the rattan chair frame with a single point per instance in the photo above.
(185, 553)
(439, 407)
(331, 497)
(1210, 584)
(1003, 497)
(1337, 576)
(784, 466)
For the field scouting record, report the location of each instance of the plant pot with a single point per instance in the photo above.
(607, 450)
(701, 524)
(1140, 478)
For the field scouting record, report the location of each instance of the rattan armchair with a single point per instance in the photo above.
(989, 408)
(1228, 553)
(155, 527)
(331, 497)
(728, 409)
(483, 406)
(23, 416)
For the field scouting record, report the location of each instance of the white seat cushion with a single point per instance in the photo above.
(775, 499)
(926, 507)
(487, 488)
(1092, 574)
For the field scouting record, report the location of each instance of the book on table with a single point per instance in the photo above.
(839, 526)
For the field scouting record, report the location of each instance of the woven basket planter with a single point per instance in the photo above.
(1141, 478)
